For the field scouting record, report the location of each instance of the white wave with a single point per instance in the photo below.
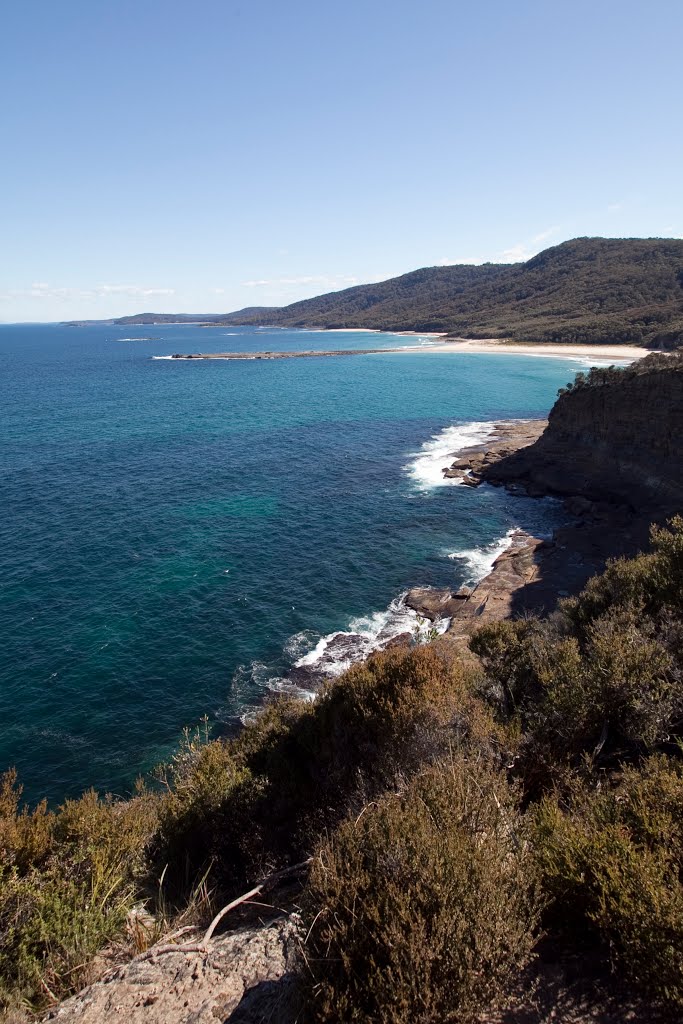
(337, 651)
(162, 357)
(251, 682)
(299, 644)
(591, 361)
(426, 466)
(230, 334)
(479, 561)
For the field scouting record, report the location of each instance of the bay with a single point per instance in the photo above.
(175, 535)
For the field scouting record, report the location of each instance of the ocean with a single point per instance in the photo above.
(176, 536)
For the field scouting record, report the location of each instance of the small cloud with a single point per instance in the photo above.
(43, 290)
(134, 290)
(218, 291)
(615, 207)
(320, 280)
(543, 235)
(514, 254)
(525, 250)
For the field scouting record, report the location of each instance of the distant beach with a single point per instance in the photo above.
(601, 353)
(622, 353)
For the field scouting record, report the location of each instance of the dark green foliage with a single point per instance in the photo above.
(68, 880)
(588, 290)
(422, 908)
(651, 584)
(612, 861)
(604, 676)
(600, 376)
(594, 690)
(261, 800)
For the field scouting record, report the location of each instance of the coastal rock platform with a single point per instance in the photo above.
(508, 436)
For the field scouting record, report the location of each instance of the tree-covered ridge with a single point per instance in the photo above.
(588, 290)
(598, 376)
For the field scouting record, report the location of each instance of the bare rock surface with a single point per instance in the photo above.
(433, 603)
(493, 598)
(507, 438)
(244, 977)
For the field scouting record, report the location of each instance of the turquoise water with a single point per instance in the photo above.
(176, 535)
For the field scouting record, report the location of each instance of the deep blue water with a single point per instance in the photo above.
(175, 534)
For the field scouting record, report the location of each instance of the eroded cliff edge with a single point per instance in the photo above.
(615, 435)
(612, 449)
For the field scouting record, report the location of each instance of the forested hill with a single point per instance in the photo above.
(175, 318)
(591, 290)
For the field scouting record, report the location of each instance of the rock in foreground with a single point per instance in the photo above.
(244, 977)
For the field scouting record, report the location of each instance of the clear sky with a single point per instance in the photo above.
(201, 156)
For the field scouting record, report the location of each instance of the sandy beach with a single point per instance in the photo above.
(620, 353)
(599, 353)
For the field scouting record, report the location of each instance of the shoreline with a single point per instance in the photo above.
(477, 346)
(615, 353)
(454, 612)
(494, 346)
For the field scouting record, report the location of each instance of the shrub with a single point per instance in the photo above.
(423, 907)
(201, 779)
(67, 882)
(612, 864)
(261, 800)
(604, 676)
(651, 584)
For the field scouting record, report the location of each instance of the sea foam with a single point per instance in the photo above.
(313, 660)
(479, 561)
(337, 651)
(426, 465)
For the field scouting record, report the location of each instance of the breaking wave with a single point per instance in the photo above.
(479, 561)
(313, 658)
(426, 466)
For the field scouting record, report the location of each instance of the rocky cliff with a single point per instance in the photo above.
(612, 448)
(614, 435)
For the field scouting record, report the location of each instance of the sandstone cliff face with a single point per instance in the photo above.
(618, 439)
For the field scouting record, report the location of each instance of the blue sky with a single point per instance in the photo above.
(203, 156)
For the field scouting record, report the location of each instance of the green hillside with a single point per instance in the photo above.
(173, 318)
(588, 290)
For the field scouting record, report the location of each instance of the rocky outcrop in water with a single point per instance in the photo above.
(612, 448)
(492, 598)
(506, 439)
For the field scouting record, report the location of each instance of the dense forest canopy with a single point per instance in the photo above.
(591, 290)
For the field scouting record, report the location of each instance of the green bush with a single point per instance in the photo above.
(68, 880)
(261, 800)
(422, 908)
(651, 584)
(612, 863)
(603, 677)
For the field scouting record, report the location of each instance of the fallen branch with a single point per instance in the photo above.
(201, 947)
